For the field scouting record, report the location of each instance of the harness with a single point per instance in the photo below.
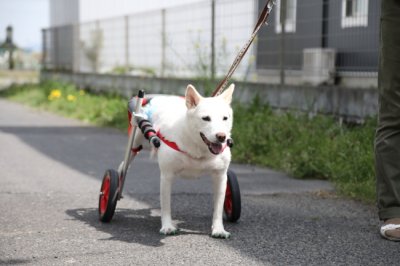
(175, 146)
(149, 133)
(170, 144)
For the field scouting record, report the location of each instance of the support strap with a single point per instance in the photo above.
(261, 20)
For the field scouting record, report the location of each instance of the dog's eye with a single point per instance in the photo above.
(225, 118)
(206, 118)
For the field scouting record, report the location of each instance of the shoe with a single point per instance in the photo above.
(390, 230)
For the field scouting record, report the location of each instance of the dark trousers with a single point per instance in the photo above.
(387, 139)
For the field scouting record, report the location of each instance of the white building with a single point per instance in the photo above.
(63, 12)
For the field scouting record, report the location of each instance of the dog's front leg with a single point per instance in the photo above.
(219, 187)
(167, 227)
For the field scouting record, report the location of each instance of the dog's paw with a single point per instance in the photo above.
(169, 230)
(220, 234)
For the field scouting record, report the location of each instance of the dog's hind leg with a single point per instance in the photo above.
(167, 227)
(219, 188)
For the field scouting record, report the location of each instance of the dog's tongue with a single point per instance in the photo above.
(216, 148)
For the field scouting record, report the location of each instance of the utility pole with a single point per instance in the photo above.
(163, 43)
(212, 39)
(127, 65)
(8, 45)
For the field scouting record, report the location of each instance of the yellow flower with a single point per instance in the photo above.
(81, 92)
(71, 98)
(54, 94)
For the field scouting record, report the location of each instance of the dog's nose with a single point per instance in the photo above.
(221, 137)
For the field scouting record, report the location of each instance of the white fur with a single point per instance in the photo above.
(181, 121)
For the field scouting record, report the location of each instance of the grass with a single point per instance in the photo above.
(67, 100)
(317, 147)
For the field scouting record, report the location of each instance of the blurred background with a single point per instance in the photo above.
(306, 93)
(331, 42)
(310, 43)
(21, 22)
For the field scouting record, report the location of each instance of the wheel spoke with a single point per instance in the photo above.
(107, 199)
(228, 199)
(105, 194)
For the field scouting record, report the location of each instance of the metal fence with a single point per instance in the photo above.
(324, 42)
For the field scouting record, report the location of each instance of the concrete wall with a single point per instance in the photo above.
(347, 79)
(350, 104)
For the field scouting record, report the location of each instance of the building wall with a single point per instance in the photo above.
(308, 34)
(319, 25)
(107, 8)
(64, 12)
(357, 47)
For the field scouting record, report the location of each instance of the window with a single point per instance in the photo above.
(354, 13)
(290, 22)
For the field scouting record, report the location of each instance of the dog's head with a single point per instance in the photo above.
(210, 119)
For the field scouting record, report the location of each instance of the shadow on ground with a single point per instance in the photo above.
(132, 226)
(14, 261)
(286, 229)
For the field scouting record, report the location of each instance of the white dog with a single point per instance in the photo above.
(194, 131)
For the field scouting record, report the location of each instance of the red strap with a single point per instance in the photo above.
(170, 144)
(174, 146)
(137, 149)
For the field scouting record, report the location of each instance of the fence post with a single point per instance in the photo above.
(55, 48)
(76, 49)
(127, 42)
(96, 63)
(282, 44)
(212, 39)
(163, 43)
(44, 49)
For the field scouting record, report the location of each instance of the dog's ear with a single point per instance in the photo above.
(192, 97)
(227, 94)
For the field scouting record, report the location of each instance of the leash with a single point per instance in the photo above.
(262, 19)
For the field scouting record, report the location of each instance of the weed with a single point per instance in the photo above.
(317, 147)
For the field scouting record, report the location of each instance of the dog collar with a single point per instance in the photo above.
(175, 146)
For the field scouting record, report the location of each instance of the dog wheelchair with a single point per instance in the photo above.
(113, 180)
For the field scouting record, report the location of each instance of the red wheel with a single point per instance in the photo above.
(108, 195)
(232, 203)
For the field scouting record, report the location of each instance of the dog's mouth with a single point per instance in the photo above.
(215, 148)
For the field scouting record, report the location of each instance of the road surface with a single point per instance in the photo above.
(51, 170)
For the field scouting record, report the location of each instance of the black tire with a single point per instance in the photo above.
(108, 195)
(232, 203)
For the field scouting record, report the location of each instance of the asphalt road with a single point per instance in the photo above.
(51, 170)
